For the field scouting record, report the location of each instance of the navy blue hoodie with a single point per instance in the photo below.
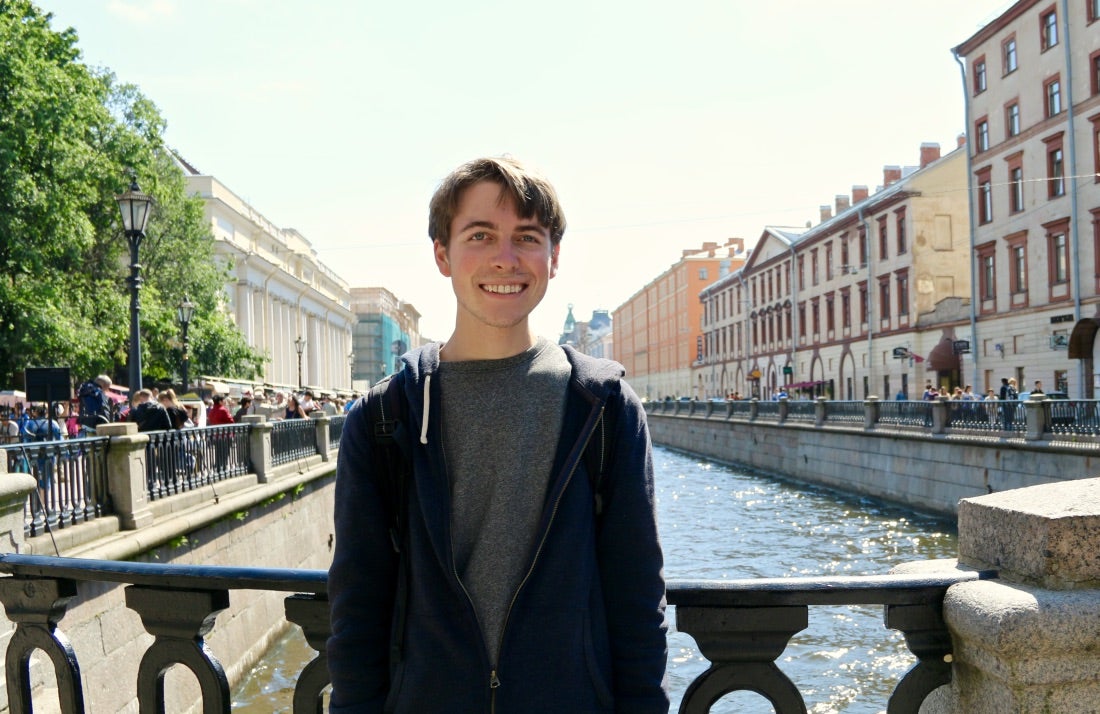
(586, 631)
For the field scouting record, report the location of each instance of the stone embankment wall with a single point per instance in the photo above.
(924, 471)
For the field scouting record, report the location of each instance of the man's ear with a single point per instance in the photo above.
(442, 260)
(554, 259)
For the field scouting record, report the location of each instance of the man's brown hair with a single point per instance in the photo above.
(532, 193)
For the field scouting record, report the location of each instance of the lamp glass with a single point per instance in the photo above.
(185, 311)
(135, 208)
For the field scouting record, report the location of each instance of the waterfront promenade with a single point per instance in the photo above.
(254, 492)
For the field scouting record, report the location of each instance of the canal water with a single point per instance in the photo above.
(720, 522)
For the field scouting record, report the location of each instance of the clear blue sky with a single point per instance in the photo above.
(663, 125)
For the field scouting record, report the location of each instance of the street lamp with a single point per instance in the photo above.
(351, 365)
(135, 207)
(184, 312)
(299, 344)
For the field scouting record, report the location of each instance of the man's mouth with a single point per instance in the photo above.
(502, 289)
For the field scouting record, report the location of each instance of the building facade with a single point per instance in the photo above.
(1032, 87)
(657, 333)
(282, 292)
(852, 307)
(386, 327)
(592, 337)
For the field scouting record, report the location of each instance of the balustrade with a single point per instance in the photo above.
(741, 627)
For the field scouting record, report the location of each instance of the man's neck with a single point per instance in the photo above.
(464, 345)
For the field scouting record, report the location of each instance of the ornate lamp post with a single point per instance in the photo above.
(184, 312)
(135, 207)
(351, 369)
(299, 344)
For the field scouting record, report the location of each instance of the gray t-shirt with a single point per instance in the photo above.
(501, 424)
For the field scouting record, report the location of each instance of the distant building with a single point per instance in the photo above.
(1032, 90)
(833, 310)
(282, 291)
(385, 328)
(593, 337)
(658, 332)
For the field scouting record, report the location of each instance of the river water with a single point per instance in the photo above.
(720, 522)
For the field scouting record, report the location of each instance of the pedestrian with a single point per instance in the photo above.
(245, 409)
(307, 403)
(1009, 395)
(39, 429)
(509, 593)
(293, 409)
(218, 413)
(1038, 389)
(149, 414)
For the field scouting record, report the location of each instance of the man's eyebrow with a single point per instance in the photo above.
(477, 224)
(523, 227)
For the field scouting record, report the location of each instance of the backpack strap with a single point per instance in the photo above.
(386, 409)
(601, 446)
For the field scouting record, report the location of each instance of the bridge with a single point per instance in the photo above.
(1012, 625)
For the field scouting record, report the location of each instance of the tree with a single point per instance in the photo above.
(69, 138)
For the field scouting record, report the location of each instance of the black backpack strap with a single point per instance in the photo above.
(386, 412)
(598, 452)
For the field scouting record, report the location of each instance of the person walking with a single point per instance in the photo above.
(496, 586)
(1009, 395)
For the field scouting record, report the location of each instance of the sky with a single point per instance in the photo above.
(662, 125)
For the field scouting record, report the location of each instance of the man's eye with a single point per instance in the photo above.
(529, 238)
(480, 235)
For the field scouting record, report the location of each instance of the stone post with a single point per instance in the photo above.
(14, 490)
(1027, 642)
(870, 412)
(259, 445)
(1036, 417)
(126, 474)
(784, 409)
(819, 411)
(322, 420)
(939, 416)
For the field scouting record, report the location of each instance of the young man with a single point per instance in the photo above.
(502, 589)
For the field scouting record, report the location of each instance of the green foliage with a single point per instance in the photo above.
(69, 138)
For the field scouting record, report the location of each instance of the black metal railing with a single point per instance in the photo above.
(72, 481)
(844, 412)
(905, 413)
(802, 410)
(292, 439)
(183, 460)
(336, 429)
(976, 415)
(741, 626)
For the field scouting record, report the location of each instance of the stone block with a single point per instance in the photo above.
(1047, 535)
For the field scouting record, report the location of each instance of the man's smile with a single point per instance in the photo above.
(503, 289)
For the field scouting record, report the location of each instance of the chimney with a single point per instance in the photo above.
(890, 175)
(842, 203)
(859, 194)
(736, 245)
(929, 152)
(710, 246)
(960, 141)
(826, 213)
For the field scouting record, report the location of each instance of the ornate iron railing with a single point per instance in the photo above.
(292, 439)
(1072, 416)
(802, 410)
(741, 627)
(905, 413)
(183, 460)
(336, 429)
(72, 481)
(844, 412)
(767, 410)
(976, 415)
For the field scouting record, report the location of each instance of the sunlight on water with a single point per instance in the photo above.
(724, 523)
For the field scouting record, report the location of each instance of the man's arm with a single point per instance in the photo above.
(631, 565)
(362, 578)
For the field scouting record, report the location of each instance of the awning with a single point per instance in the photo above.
(942, 358)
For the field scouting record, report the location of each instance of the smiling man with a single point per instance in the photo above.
(519, 568)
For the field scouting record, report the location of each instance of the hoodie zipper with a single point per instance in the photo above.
(494, 680)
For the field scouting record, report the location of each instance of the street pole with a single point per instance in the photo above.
(135, 208)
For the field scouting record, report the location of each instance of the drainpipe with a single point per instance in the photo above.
(1075, 262)
(974, 351)
(870, 308)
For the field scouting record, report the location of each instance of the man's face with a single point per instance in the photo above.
(499, 263)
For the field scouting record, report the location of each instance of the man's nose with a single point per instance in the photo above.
(505, 255)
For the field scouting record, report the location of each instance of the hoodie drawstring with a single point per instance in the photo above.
(427, 406)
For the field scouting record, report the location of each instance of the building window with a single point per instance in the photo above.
(1012, 119)
(903, 246)
(801, 272)
(1054, 96)
(846, 310)
(813, 265)
(815, 310)
(1008, 51)
(1056, 173)
(844, 262)
(802, 321)
(1093, 10)
(981, 132)
(829, 261)
(883, 249)
(862, 246)
(830, 319)
(903, 294)
(863, 304)
(1059, 268)
(1016, 189)
(979, 75)
(988, 277)
(884, 299)
(985, 196)
(1018, 256)
(702, 273)
(1048, 29)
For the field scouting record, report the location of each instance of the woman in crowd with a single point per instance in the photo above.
(294, 409)
(176, 413)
